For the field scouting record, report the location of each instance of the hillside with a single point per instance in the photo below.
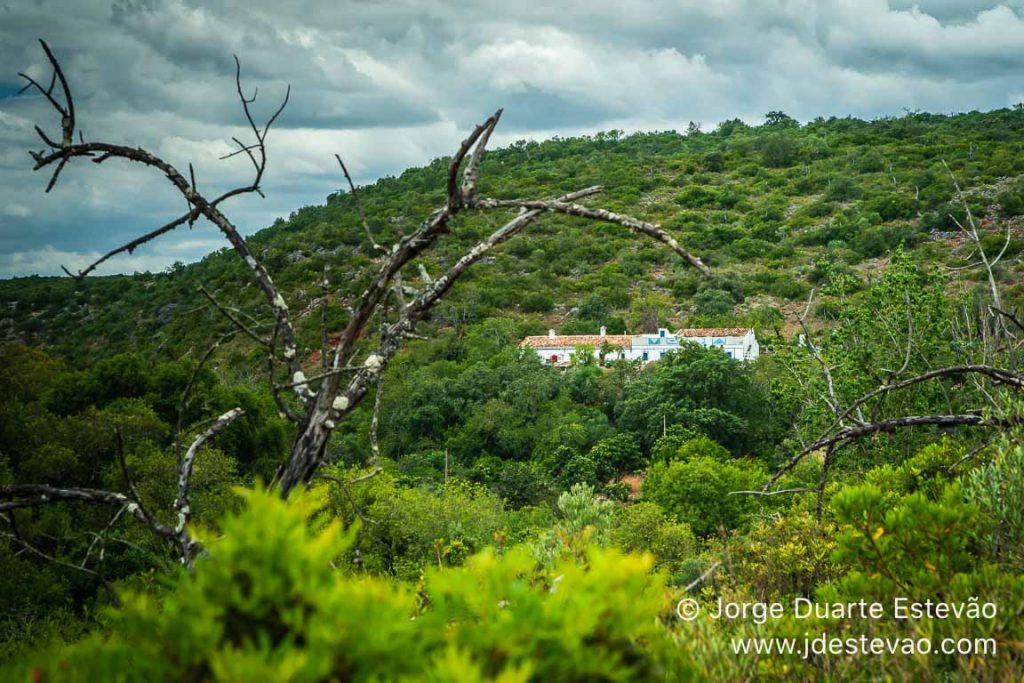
(478, 514)
(772, 209)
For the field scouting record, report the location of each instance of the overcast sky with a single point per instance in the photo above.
(394, 84)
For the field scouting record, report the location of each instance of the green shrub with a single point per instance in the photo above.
(268, 604)
(697, 492)
(783, 558)
(615, 455)
(779, 151)
(913, 549)
(841, 189)
(997, 488)
(701, 447)
(644, 527)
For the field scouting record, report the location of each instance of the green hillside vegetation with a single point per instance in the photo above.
(497, 536)
(772, 209)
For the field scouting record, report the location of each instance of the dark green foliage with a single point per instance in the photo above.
(696, 491)
(702, 389)
(778, 151)
(616, 455)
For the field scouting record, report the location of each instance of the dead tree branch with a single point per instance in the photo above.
(248, 331)
(63, 152)
(359, 206)
(181, 505)
(32, 550)
(890, 425)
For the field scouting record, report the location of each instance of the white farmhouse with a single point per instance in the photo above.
(558, 349)
(736, 342)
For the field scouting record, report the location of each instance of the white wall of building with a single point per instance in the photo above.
(739, 347)
(648, 348)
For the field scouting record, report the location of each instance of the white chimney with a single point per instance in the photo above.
(603, 330)
(551, 334)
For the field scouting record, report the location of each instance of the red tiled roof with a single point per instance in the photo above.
(712, 332)
(574, 340)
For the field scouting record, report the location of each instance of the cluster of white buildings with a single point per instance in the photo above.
(736, 342)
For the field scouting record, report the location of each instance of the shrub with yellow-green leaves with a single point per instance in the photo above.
(268, 603)
(782, 558)
(914, 548)
(645, 527)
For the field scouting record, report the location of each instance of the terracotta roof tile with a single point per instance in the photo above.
(573, 340)
(712, 332)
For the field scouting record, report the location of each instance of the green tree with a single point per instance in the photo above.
(698, 492)
(702, 389)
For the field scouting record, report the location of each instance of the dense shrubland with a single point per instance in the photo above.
(496, 542)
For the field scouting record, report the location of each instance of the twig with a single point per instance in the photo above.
(703, 577)
(359, 206)
(234, 320)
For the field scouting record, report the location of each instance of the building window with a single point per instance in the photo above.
(645, 357)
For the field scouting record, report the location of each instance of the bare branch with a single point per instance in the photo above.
(832, 401)
(234, 320)
(776, 492)
(33, 495)
(703, 577)
(306, 381)
(68, 150)
(972, 233)
(131, 246)
(181, 504)
(481, 133)
(891, 425)
(1009, 316)
(998, 375)
(67, 110)
(375, 420)
(343, 485)
(826, 463)
(469, 176)
(183, 401)
(31, 549)
(359, 206)
(141, 512)
(100, 538)
(282, 405)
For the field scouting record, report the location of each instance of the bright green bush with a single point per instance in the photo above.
(268, 604)
(701, 447)
(417, 527)
(913, 549)
(697, 491)
(644, 527)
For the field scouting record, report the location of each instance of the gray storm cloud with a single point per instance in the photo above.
(392, 85)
